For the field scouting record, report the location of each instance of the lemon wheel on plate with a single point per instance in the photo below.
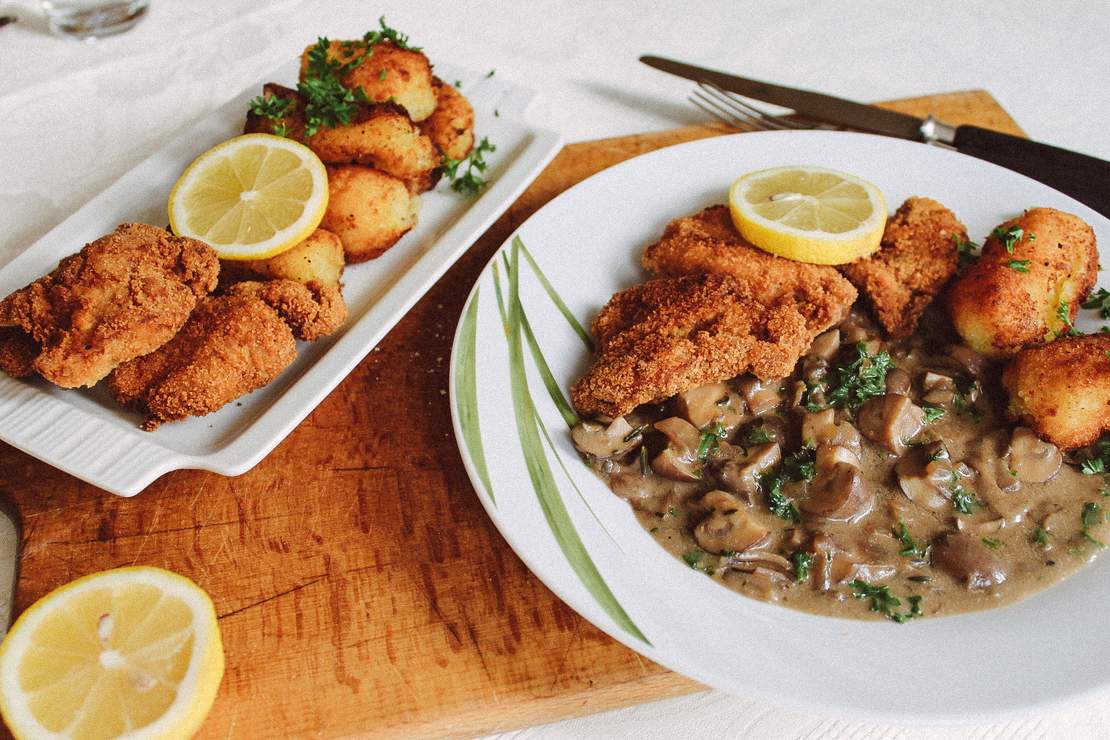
(251, 197)
(809, 214)
(132, 652)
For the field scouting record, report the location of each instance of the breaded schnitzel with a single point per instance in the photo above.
(666, 336)
(707, 242)
(232, 344)
(917, 256)
(122, 296)
(1034, 271)
(1062, 389)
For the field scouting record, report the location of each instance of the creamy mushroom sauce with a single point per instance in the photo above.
(880, 500)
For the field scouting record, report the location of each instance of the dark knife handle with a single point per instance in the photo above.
(1085, 178)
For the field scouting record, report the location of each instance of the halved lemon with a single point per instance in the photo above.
(133, 651)
(251, 197)
(808, 214)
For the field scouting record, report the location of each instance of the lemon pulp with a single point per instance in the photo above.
(131, 651)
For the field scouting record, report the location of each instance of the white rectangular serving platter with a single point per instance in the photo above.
(86, 434)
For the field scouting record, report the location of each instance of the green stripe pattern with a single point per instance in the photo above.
(530, 429)
(466, 392)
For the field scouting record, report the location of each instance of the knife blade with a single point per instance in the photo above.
(1085, 178)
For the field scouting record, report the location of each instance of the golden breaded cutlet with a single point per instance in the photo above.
(1062, 389)
(1012, 296)
(707, 242)
(122, 296)
(665, 336)
(917, 256)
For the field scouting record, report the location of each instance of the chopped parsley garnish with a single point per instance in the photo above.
(992, 544)
(910, 549)
(1063, 313)
(635, 433)
(883, 602)
(967, 249)
(328, 102)
(1009, 237)
(457, 83)
(964, 400)
(803, 561)
(756, 436)
(271, 106)
(711, 440)
(1019, 265)
(469, 182)
(673, 512)
(1100, 299)
(381, 75)
(491, 73)
(861, 379)
(1091, 517)
(932, 413)
(693, 559)
(799, 466)
(1040, 537)
(1093, 466)
(645, 467)
(963, 500)
(385, 33)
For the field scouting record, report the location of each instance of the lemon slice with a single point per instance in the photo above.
(133, 651)
(251, 197)
(808, 214)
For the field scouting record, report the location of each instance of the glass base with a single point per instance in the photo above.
(79, 20)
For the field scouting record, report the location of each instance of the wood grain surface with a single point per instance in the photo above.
(360, 587)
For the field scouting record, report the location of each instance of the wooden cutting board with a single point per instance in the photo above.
(360, 587)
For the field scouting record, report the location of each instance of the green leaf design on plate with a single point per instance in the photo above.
(466, 392)
(539, 471)
(578, 329)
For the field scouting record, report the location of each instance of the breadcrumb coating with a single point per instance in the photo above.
(998, 310)
(665, 336)
(17, 352)
(1062, 389)
(916, 257)
(707, 242)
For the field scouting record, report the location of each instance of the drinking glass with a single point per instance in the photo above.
(92, 19)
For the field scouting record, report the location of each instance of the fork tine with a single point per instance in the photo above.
(735, 104)
(731, 118)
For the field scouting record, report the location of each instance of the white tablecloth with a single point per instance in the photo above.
(74, 117)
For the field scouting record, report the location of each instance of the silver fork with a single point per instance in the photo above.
(736, 112)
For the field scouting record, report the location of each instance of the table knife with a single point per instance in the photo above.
(1085, 178)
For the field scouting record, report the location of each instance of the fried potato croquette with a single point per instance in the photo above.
(379, 135)
(1062, 389)
(916, 257)
(232, 344)
(121, 296)
(707, 242)
(451, 125)
(386, 73)
(665, 336)
(368, 210)
(319, 258)
(17, 352)
(1011, 298)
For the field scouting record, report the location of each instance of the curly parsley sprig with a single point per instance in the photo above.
(469, 182)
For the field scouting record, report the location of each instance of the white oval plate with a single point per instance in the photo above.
(586, 545)
(88, 435)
